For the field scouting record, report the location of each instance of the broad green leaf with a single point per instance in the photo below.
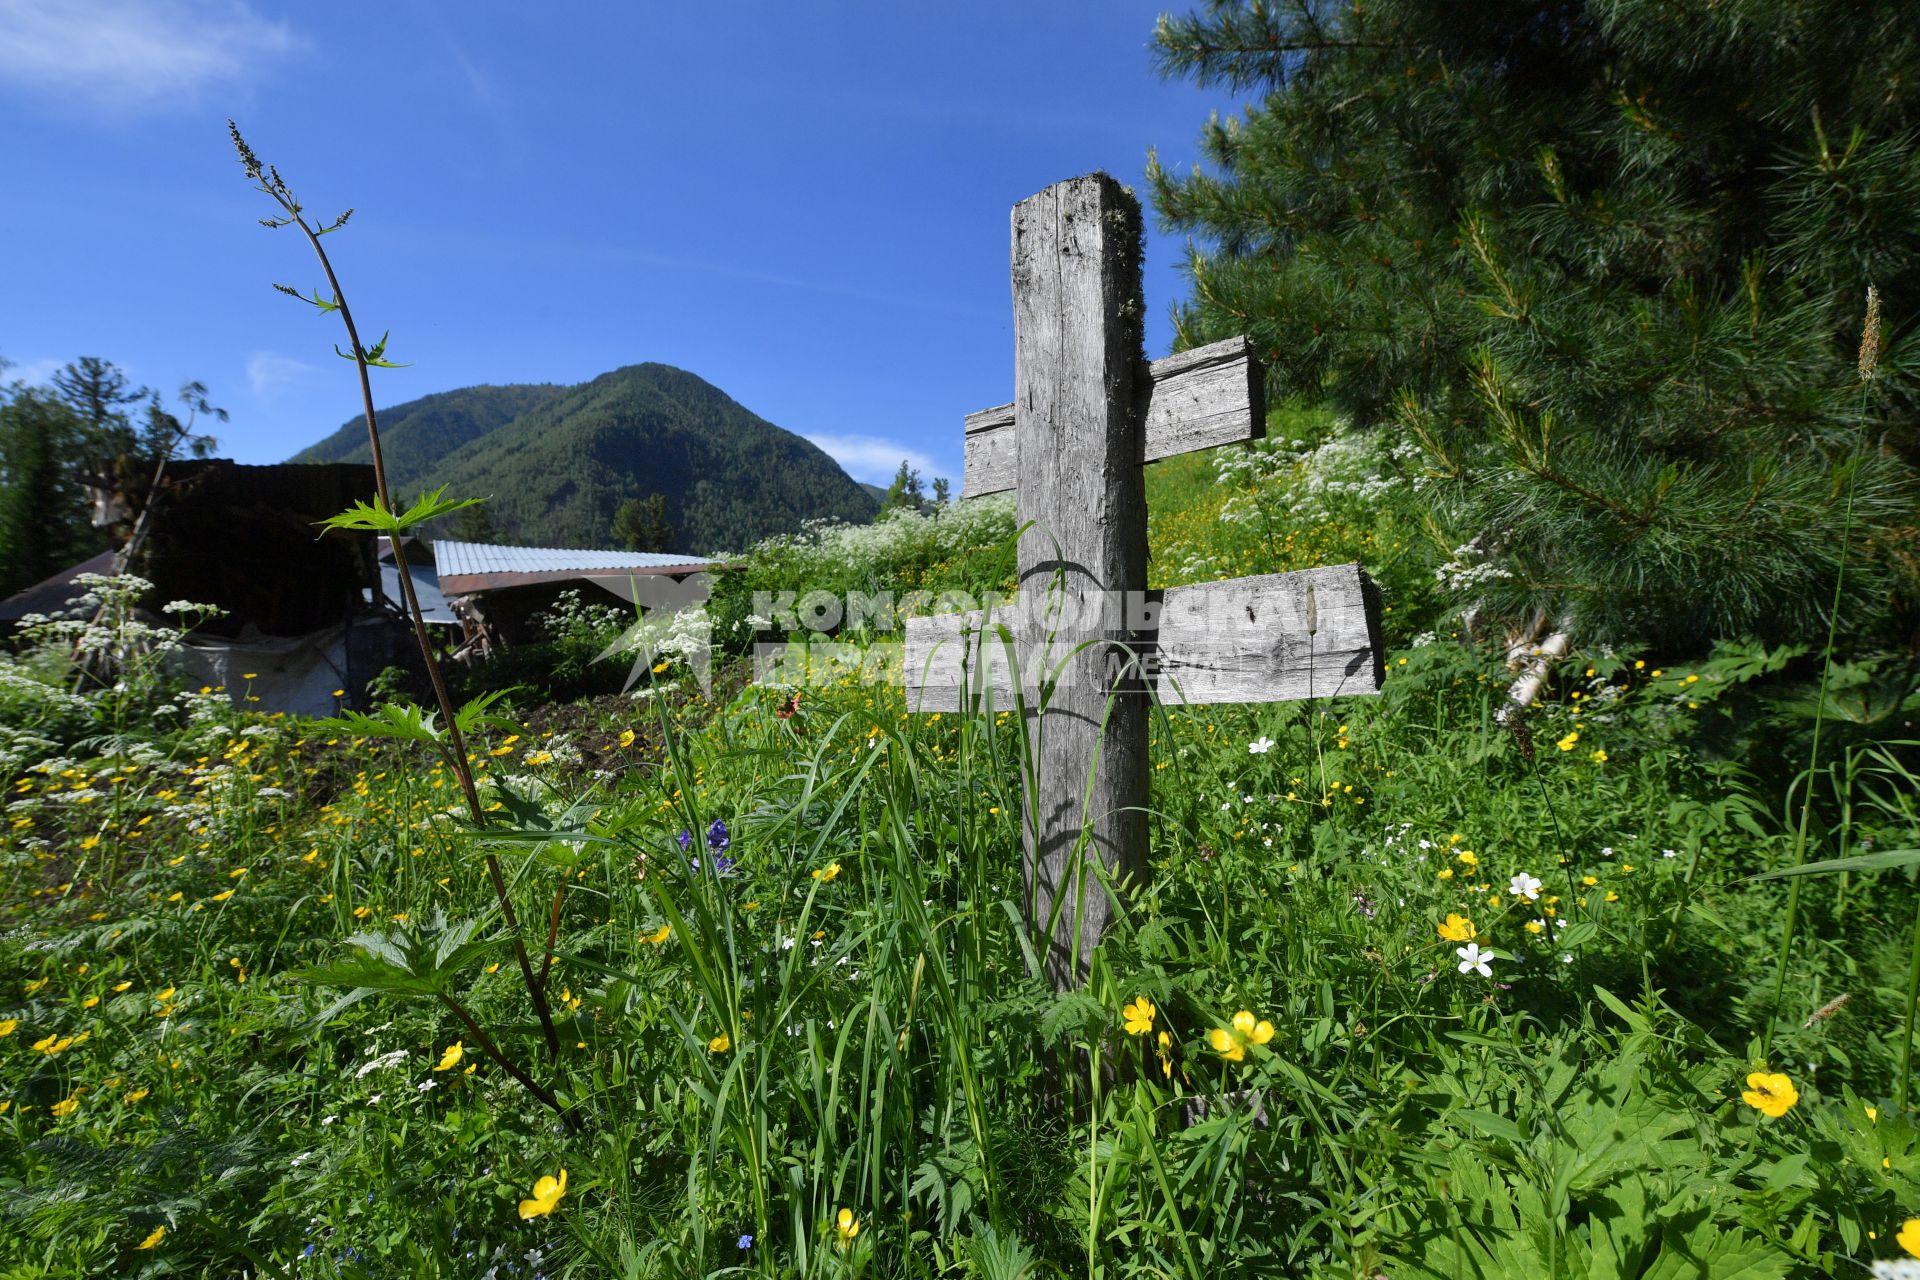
(376, 517)
(1495, 1126)
(402, 720)
(1858, 862)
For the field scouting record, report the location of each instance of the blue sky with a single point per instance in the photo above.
(805, 204)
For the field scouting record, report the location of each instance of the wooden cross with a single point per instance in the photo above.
(1088, 411)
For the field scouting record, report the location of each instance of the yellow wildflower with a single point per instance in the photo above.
(451, 1058)
(152, 1241)
(546, 1194)
(626, 738)
(1566, 743)
(846, 1226)
(1909, 1236)
(826, 874)
(1771, 1093)
(1139, 1016)
(1456, 928)
(658, 936)
(720, 1043)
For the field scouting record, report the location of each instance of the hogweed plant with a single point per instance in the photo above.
(383, 516)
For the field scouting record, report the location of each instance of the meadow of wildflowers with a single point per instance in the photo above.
(1406, 994)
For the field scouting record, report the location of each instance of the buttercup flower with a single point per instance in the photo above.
(1232, 1044)
(451, 1058)
(1257, 1032)
(626, 737)
(152, 1241)
(1909, 1236)
(546, 1194)
(1771, 1093)
(720, 1043)
(846, 1226)
(826, 874)
(1139, 1016)
(1456, 928)
(658, 936)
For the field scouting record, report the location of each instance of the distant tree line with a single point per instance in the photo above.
(90, 429)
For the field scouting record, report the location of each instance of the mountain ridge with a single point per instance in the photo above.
(557, 461)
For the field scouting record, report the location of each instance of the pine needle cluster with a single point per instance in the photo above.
(1605, 263)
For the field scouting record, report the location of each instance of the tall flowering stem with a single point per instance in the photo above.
(1869, 362)
(266, 178)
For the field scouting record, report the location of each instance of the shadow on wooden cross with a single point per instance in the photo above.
(1086, 645)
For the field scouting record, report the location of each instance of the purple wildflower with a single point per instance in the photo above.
(717, 839)
(686, 840)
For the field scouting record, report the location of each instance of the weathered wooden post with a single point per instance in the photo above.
(1079, 366)
(1088, 411)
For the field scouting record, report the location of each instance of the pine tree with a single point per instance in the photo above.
(641, 524)
(472, 524)
(905, 491)
(100, 394)
(44, 524)
(1604, 262)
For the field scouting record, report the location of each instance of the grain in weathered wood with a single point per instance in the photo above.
(1079, 380)
(1243, 640)
(1197, 399)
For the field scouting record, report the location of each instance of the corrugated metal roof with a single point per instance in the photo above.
(455, 559)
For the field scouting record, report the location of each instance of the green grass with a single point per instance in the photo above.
(849, 1019)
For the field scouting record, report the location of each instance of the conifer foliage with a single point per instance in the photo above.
(1605, 262)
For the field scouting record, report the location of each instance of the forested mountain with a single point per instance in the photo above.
(557, 462)
(416, 435)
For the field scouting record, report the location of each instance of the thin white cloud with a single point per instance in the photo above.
(269, 372)
(32, 372)
(875, 459)
(478, 81)
(119, 54)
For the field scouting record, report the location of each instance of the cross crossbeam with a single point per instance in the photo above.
(1196, 399)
